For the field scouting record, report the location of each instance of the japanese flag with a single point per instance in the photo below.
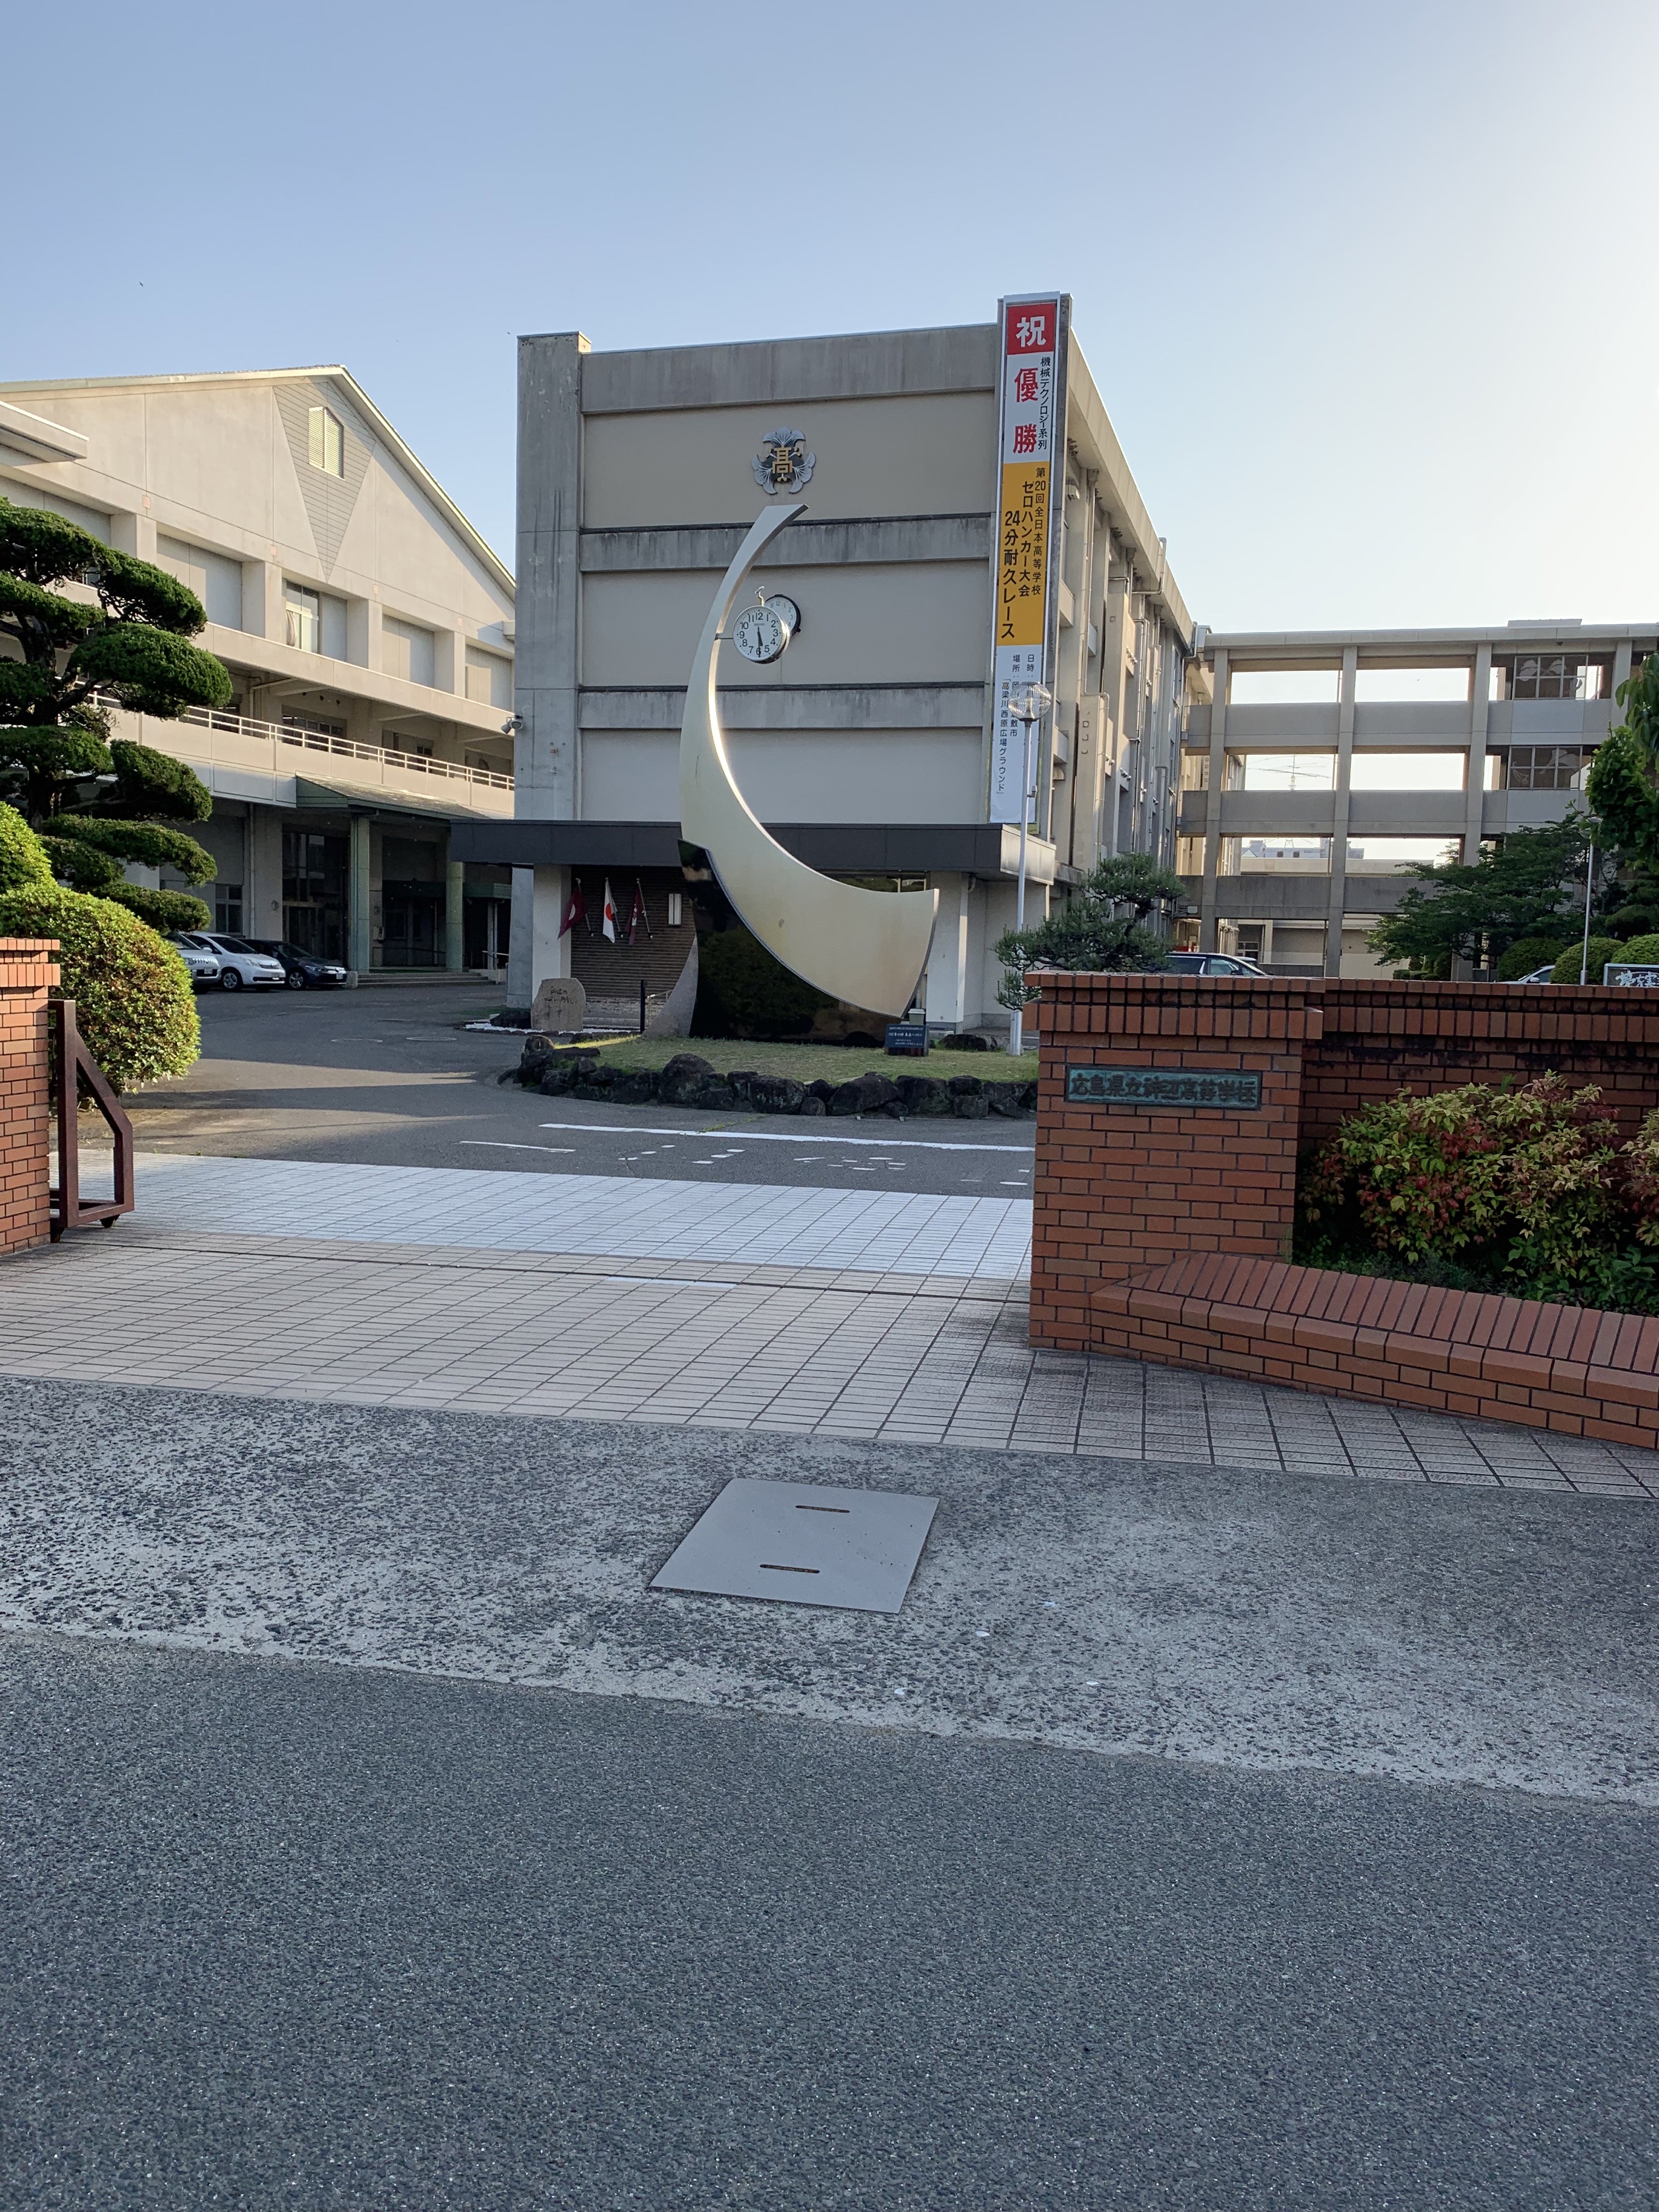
(608, 924)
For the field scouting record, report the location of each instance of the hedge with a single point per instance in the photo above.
(133, 999)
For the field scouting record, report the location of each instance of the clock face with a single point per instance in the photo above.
(787, 612)
(760, 633)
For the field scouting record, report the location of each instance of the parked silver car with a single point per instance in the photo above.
(240, 965)
(1214, 963)
(204, 966)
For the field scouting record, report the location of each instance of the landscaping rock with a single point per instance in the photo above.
(556, 1080)
(715, 1098)
(634, 1086)
(971, 1107)
(822, 1091)
(810, 1106)
(598, 1082)
(1006, 1099)
(925, 1094)
(966, 1086)
(769, 1094)
(864, 1094)
(684, 1075)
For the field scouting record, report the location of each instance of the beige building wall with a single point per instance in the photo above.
(366, 626)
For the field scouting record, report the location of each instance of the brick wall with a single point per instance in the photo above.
(1136, 1203)
(27, 972)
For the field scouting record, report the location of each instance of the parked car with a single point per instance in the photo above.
(300, 968)
(1213, 963)
(204, 966)
(1544, 974)
(240, 964)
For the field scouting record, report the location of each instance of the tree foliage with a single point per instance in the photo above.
(1528, 886)
(133, 999)
(126, 641)
(1103, 927)
(1623, 783)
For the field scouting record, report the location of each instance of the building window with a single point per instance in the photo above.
(304, 618)
(1548, 768)
(327, 442)
(1555, 675)
(407, 650)
(227, 908)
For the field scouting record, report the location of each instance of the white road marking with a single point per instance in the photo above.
(778, 1137)
(500, 1145)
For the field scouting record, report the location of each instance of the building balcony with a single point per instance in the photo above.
(238, 757)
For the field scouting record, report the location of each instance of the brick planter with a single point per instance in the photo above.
(1172, 1111)
(27, 973)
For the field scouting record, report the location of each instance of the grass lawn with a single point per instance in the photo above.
(836, 1063)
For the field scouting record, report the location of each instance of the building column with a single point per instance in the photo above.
(1621, 668)
(1340, 810)
(537, 949)
(547, 660)
(359, 941)
(946, 983)
(454, 916)
(1480, 702)
(1213, 805)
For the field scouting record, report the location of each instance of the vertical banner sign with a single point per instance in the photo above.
(1032, 413)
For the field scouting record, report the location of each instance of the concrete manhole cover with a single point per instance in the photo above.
(805, 1544)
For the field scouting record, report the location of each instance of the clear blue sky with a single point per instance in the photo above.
(1370, 293)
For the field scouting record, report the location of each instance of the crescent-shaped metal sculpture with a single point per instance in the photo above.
(868, 948)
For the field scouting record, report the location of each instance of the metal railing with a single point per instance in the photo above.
(320, 741)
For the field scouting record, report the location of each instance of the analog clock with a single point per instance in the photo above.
(761, 632)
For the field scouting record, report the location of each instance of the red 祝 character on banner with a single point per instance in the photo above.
(577, 910)
(638, 919)
(608, 914)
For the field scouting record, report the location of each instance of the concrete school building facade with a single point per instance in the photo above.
(366, 626)
(1321, 765)
(870, 746)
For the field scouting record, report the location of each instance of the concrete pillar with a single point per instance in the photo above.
(1479, 700)
(946, 987)
(1340, 810)
(538, 949)
(1621, 666)
(548, 656)
(1213, 805)
(262, 888)
(455, 916)
(359, 941)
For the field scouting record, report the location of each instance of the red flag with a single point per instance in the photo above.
(577, 910)
(638, 919)
(608, 919)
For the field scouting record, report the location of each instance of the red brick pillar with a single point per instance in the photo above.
(1167, 1124)
(27, 972)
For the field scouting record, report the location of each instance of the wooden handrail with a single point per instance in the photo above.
(76, 1065)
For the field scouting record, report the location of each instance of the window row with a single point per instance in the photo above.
(1514, 768)
(1516, 676)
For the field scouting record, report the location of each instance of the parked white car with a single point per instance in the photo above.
(204, 966)
(240, 965)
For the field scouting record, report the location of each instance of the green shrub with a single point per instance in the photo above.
(1528, 953)
(1644, 951)
(24, 860)
(1601, 950)
(133, 998)
(743, 991)
(1527, 1188)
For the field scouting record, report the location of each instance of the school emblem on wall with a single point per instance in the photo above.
(784, 464)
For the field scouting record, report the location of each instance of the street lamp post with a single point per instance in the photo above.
(1029, 712)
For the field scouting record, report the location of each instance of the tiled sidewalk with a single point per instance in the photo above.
(875, 1231)
(908, 1358)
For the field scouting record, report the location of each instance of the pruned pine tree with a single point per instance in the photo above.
(121, 636)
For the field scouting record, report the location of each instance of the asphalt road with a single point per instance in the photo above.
(392, 1077)
(289, 1935)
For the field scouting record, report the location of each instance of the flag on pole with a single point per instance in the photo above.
(638, 919)
(577, 910)
(607, 918)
